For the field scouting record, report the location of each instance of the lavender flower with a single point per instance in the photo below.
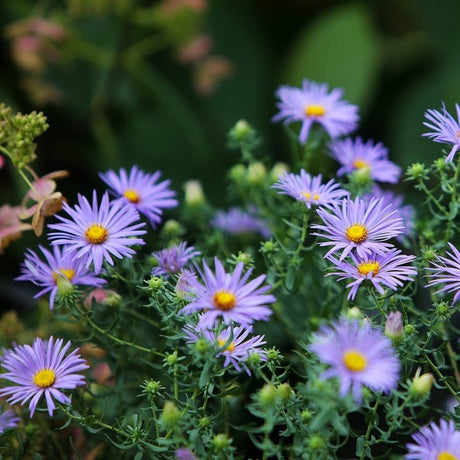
(8, 419)
(389, 269)
(142, 191)
(98, 233)
(357, 355)
(309, 189)
(445, 129)
(446, 270)
(58, 264)
(233, 344)
(360, 226)
(238, 222)
(184, 454)
(229, 296)
(171, 260)
(435, 442)
(313, 103)
(41, 369)
(355, 155)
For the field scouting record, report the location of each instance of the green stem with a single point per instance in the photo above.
(452, 201)
(369, 428)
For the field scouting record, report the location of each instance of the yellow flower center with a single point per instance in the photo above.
(354, 360)
(44, 378)
(446, 456)
(356, 233)
(307, 195)
(96, 234)
(67, 272)
(314, 110)
(230, 348)
(224, 300)
(316, 197)
(132, 195)
(360, 164)
(370, 266)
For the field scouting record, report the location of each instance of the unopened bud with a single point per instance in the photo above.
(256, 173)
(194, 195)
(170, 414)
(221, 441)
(354, 313)
(284, 391)
(267, 395)
(421, 384)
(394, 327)
(277, 171)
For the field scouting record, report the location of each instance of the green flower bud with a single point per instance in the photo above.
(245, 258)
(256, 173)
(409, 329)
(155, 283)
(417, 171)
(273, 354)
(171, 414)
(112, 300)
(440, 164)
(172, 359)
(306, 416)
(277, 171)
(172, 228)
(284, 391)
(421, 385)
(204, 422)
(65, 287)
(241, 130)
(253, 359)
(443, 309)
(316, 442)
(429, 254)
(238, 174)
(394, 327)
(354, 313)
(267, 395)
(361, 177)
(194, 195)
(267, 247)
(221, 441)
(201, 345)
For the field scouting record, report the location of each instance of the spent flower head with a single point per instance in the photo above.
(142, 191)
(359, 226)
(228, 296)
(308, 189)
(41, 370)
(96, 232)
(445, 129)
(358, 355)
(59, 264)
(313, 103)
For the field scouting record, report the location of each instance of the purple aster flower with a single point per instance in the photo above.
(229, 296)
(184, 454)
(435, 442)
(357, 355)
(360, 226)
(313, 103)
(389, 269)
(41, 369)
(8, 419)
(238, 222)
(446, 270)
(98, 233)
(355, 155)
(233, 344)
(58, 264)
(142, 191)
(446, 130)
(406, 212)
(171, 260)
(309, 189)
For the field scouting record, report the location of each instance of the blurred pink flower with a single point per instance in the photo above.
(11, 227)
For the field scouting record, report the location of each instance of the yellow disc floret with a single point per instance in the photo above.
(357, 233)
(96, 234)
(314, 110)
(371, 266)
(224, 300)
(360, 164)
(354, 360)
(446, 456)
(132, 195)
(67, 272)
(44, 378)
(230, 347)
(307, 195)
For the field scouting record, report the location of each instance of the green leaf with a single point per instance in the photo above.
(342, 49)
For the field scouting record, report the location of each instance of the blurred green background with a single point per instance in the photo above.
(159, 84)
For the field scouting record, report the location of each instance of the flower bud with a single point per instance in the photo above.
(172, 228)
(316, 442)
(361, 177)
(245, 258)
(204, 422)
(394, 327)
(172, 359)
(155, 283)
(238, 174)
(277, 171)
(194, 195)
(284, 391)
(241, 130)
(421, 384)
(306, 415)
(354, 313)
(201, 345)
(112, 299)
(170, 414)
(417, 171)
(221, 441)
(64, 285)
(267, 395)
(256, 173)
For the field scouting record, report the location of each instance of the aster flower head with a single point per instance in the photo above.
(435, 442)
(58, 264)
(446, 271)
(41, 370)
(142, 191)
(173, 259)
(229, 296)
(308, 189)
(358, 356)
(445, 129)
(389, 270)
(313, 103)
(238, 222)
(233, 344)
(8, 419)
(97, 233)
(360, 226)
(355, 155)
